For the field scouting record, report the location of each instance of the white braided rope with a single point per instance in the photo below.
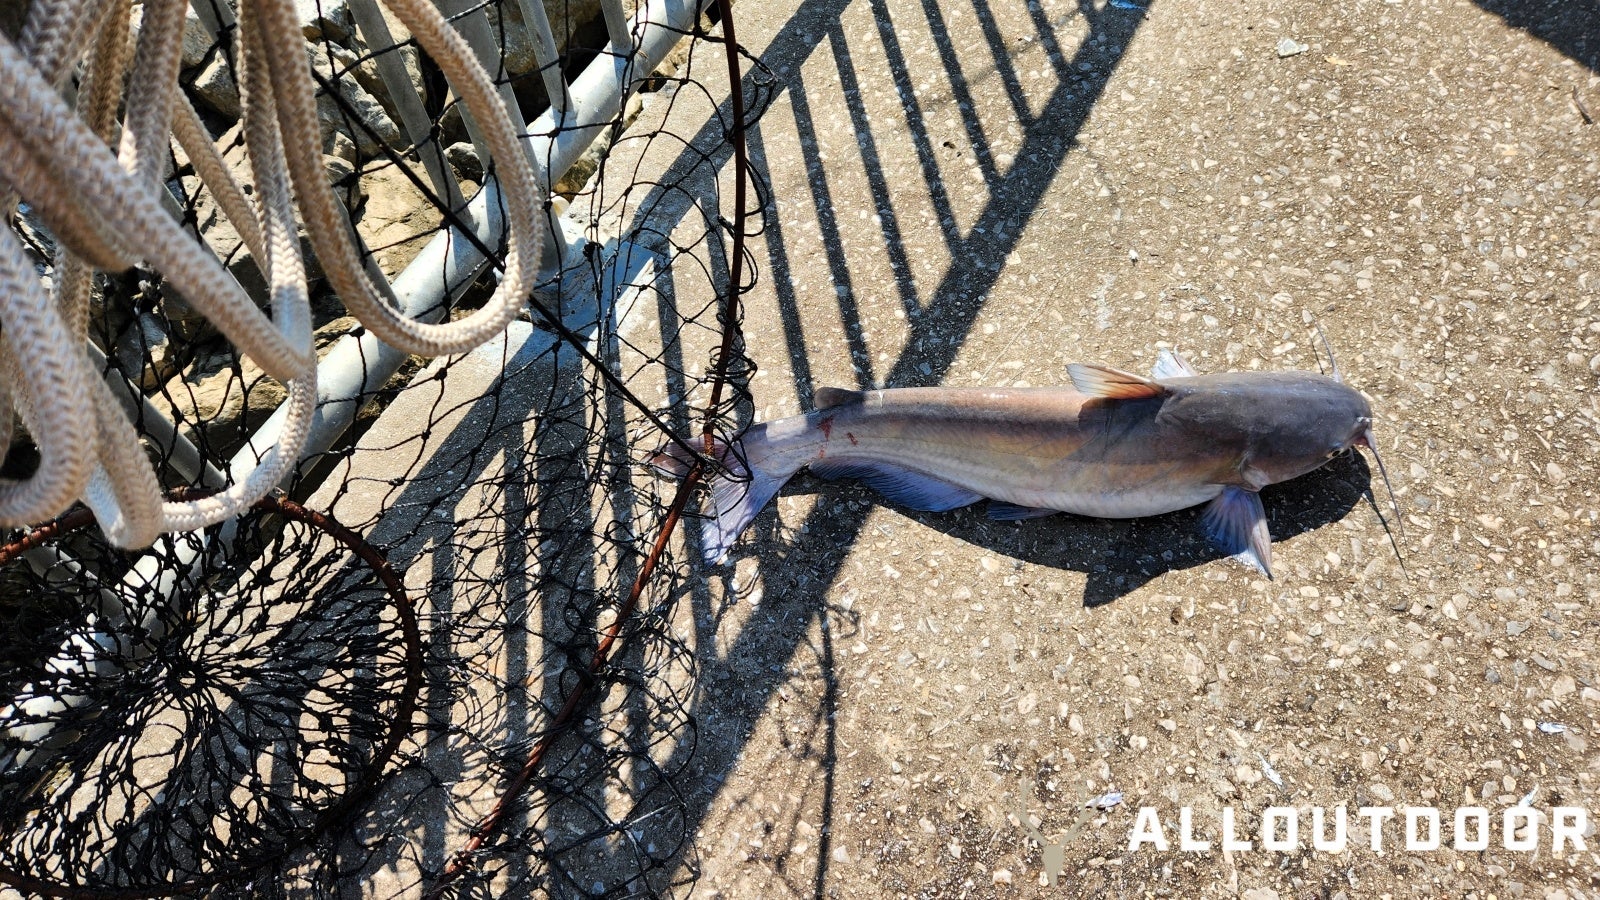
(105, 211)
(330, 229)
(123, 490)
(57, 31)
(151, 84)
(73, 226)
(52, 380)
(214, 174)
(110, 54)
(286, 284)
(38, 119)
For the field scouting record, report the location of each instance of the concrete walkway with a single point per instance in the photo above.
(977, 193)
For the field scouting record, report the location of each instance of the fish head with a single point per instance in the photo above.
(1272, 426)
(1304, 421)
(1278, 425)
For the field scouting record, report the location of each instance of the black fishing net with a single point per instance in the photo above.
(265, 708)
(198, 709)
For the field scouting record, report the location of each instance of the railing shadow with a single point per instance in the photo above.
(1115, 557)
(1571, 27)
(940, 322)
(488, 508)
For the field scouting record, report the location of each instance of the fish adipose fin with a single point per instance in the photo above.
(1237, 523)
(902, 486)
(1011, 512)
(1171, 364)
(1112, 384)
(828, 397)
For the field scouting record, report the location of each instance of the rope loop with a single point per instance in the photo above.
(97, 185)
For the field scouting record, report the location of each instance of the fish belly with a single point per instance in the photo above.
(1129, 502)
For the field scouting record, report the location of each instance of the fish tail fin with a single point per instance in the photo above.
(738, 494)
(743, 486)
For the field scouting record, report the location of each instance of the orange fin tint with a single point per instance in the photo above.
(1112, 384)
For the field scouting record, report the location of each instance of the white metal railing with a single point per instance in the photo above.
(450, 262)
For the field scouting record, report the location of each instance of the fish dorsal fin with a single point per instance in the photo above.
(1112, 384)
(827, 397)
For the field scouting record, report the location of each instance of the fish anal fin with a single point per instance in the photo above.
(1112, 384)
(1171, 364)
(828, 397)
(903, 486)
(1237, 522)
(1000, 511)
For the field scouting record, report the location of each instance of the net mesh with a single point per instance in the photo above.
(264, 708)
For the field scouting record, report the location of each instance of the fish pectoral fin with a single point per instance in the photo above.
(1171, 364)
(902, 486)
(1112, 384)
(1237, 523)
(1255, 478)
(828, 397)
(1000, 511)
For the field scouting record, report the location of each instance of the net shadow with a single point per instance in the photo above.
(799, 574)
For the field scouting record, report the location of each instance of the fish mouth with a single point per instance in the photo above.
(1363, 436)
